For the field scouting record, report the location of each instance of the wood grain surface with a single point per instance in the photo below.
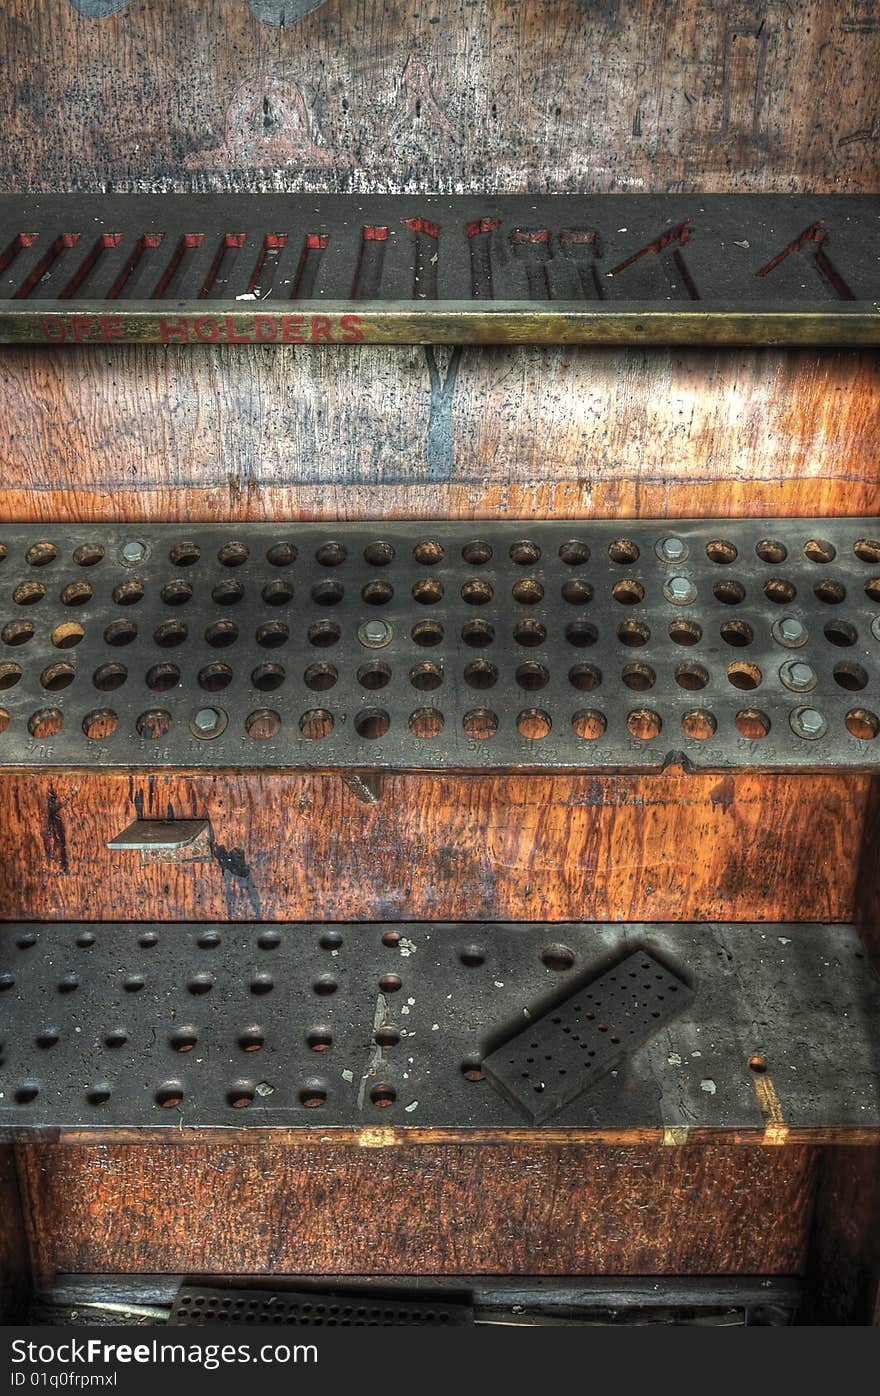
(15, 1270)
(521, 848)
(458, 1209)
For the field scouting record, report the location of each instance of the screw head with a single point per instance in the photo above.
(790, 631)
(206, 719)
(133, 551)
(798, 675)
(807, 722)
(375, 633)
(672, 549)
(680, 590)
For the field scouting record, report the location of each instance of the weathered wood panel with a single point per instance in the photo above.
(323, 433)
(292, 847)
(539, 1210)
(516, 95)
(844, 1266)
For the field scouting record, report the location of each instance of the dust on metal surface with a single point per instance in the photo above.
(204, 269)
(719, 644)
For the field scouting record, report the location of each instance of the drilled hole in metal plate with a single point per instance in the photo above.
(574, 553)
(88, 554)
(729, 592)
(251, 1040)
(744, 675)
(818, 550)
(533, 723)
(372, 723)
(691, 676)
(862, 723)
(780, 591)
(477, 634)
(585, 677)
(240, 1096)
(840, 633)
(477, 552)
(320, 677)
(428, 676)
(428, 552)
(312, 1097)
(638, 676)
(128, 593)
(829, 590)
(45, 723)
(771, 550)
(529, 633)
(17, 632)
(183, 1039)
(233, 554)
(582, 633)
(262, 724)
(4, 719)
(221, 634)
(525, 553)
(329, 592)
(386, 1036)
(185, 554)
(29, 593)
(331, 554)
(721, 551)
(753, 724)
(213, 678)
(100, 724)
(379, 554)
(480, 723)
(322, 634)
(850, 676)
(228, 592)
(872, 588)
(528, 591)
(56, 677)
(316, 724)
(428, 591)
(628, 592)
(380, 593)
(699, 724)
(737, 633)
(154, 724)
(41, 554)
(108, 677)
(325, 985)
(589, 724)
(634, 633)
(426, 723)
(374, 675)
(867, 550)
(319, 1039)
(577, 592)
(382, 1095)
(472, 956)
(167, 636)
(391, 938)
(427, 633)
(281, 554)
(68, 635)
(277, 593)
(176, 593)
(644, 724)
(267, 677)
(623, 551)
(558, 957)
(10, 674)
(530, 676)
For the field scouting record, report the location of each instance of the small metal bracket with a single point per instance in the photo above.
(160, 835)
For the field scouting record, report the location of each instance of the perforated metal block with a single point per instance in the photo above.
(197, 1305)
(352, 1028)
(422, 646)
(205, 269)
(555, 1058)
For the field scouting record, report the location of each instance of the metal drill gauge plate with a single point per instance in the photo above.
(372, 1028)
(294, 269)
(574, 646)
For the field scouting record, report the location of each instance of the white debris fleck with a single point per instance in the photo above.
(674, 1059)
(745, 243)
(708, 1085)
(435, 1027)
(498, 984)
(784, 940)
(696, 1054)
(404, 1009)
(347, 1075)
(264, 1088)
(247, 296)
(407, 947)
(412, 1106)
(410, 1002)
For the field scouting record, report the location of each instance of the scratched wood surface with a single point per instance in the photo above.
(514, 95)
(153, 433)
(539, 1210)
(290, 847)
